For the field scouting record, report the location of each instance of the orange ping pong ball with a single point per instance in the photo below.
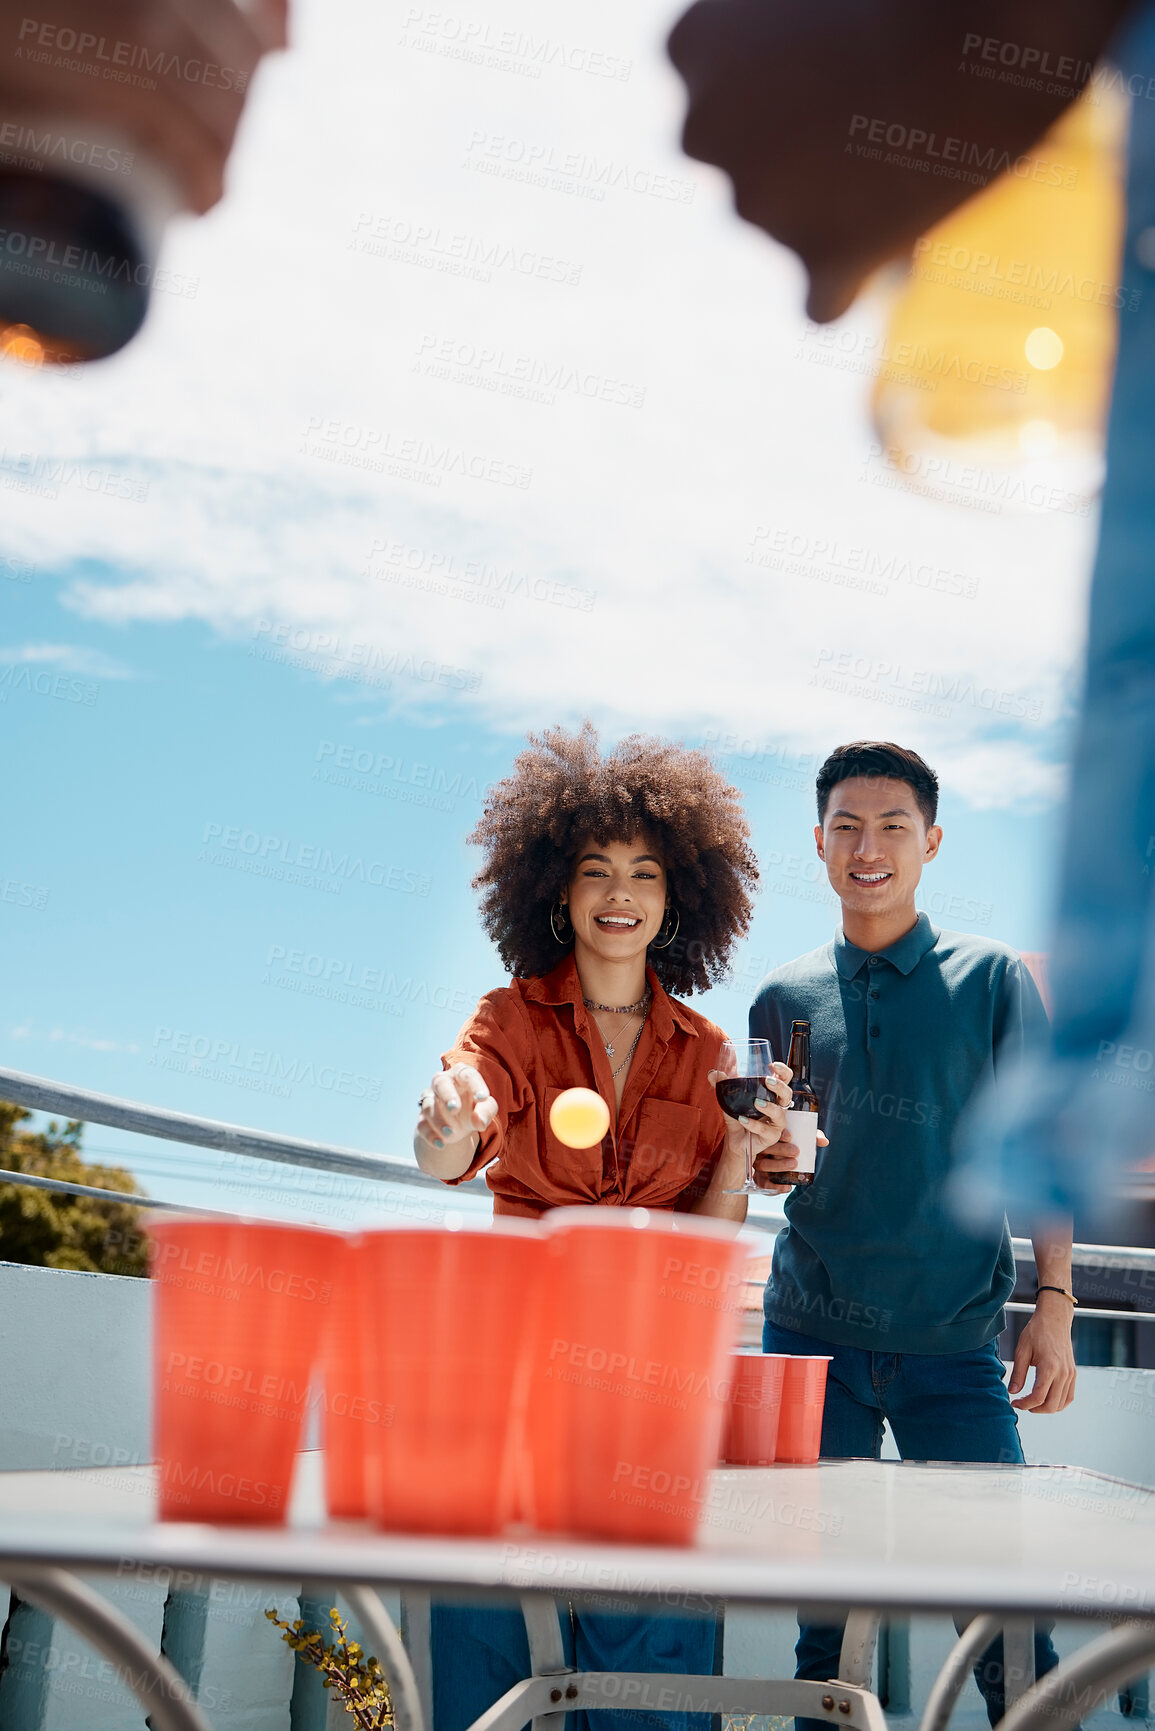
(579, 1118)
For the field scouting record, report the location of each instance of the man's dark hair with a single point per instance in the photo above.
(879, 757)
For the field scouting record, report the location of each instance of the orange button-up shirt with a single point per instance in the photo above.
(534, 1038)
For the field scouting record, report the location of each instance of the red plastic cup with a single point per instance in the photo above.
(803, 1400)
(239, 1307)
(354, 1421)
(751, 1434)
(448, 1313)
(638, 1314)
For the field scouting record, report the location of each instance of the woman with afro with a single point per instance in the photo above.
(609, 884)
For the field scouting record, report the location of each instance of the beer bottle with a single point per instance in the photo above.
(802, 1116)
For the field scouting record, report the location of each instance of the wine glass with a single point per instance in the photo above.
(746, 1067)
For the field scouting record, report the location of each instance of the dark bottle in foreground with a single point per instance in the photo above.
(78, 242)
(802, 1116)
(76, 281)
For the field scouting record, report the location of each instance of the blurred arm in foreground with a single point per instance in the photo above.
(843, 127)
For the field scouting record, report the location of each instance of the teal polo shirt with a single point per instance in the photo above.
(872, 1256)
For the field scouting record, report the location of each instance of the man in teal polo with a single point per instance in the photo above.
(873, 1268)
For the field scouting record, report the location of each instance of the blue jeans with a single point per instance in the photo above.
(947, 1406)
(1028, 1148)
(479, 1652)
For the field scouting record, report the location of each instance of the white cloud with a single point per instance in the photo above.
(257, 409)
(998, 773)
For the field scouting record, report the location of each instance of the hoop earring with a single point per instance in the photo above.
(553, 913)
(655, 945)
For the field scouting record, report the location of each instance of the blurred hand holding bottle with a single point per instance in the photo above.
(827, 114)
(114, 115)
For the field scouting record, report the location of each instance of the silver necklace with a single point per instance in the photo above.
(609, 1044)
(633, 1047)
(640, 1008)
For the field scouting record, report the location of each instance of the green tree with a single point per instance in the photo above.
(51, 1229)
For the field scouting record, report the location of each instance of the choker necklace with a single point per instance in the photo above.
(621, 1009)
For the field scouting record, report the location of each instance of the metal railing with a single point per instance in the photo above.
(40, 1094)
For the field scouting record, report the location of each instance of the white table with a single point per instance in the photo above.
(862, 1537)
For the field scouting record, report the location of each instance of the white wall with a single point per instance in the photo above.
(74, 1356)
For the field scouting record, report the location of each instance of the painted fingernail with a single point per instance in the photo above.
(452, 1105)
(437, 1142)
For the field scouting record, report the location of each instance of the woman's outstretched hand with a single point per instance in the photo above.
(455, 1108)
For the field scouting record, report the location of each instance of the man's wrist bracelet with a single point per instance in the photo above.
(1069, 1296)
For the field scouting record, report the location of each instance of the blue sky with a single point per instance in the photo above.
(438, 446)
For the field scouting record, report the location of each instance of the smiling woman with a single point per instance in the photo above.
(608, 883)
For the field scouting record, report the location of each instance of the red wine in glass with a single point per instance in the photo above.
(746, 1064)
(737, 1095)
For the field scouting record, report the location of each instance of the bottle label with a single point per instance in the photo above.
(803, 1127)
